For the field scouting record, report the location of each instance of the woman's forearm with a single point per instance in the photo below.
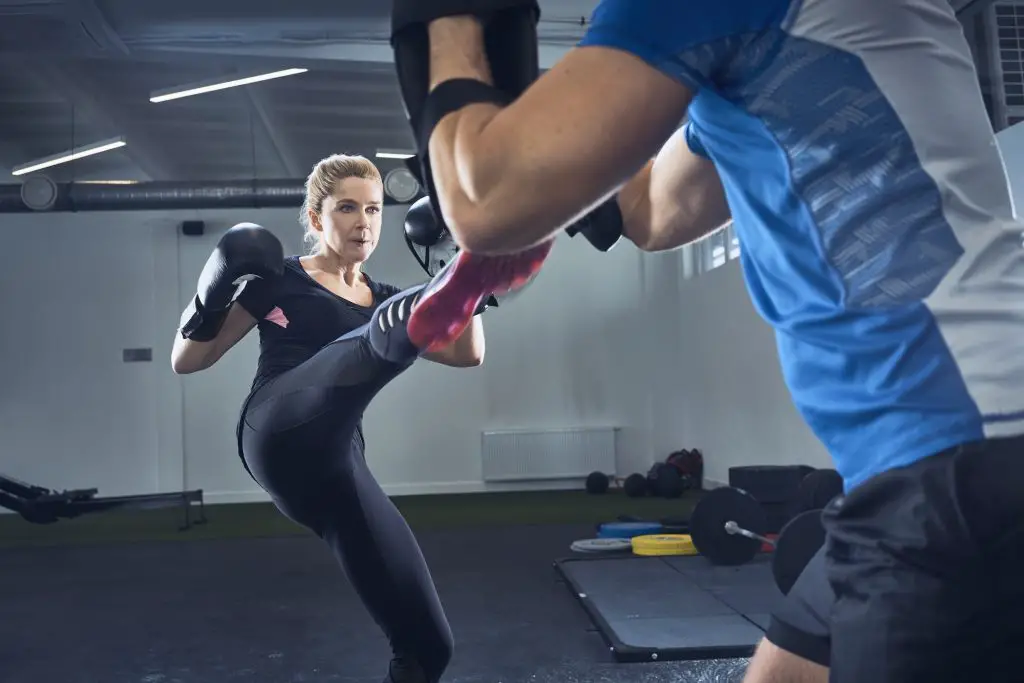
(189, 356)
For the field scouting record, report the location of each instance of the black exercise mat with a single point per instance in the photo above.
(674, 608)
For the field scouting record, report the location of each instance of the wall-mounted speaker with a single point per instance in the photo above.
(192, 228)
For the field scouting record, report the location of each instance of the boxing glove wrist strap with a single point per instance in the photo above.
(201, 324)
(602, 227)
(452, 95)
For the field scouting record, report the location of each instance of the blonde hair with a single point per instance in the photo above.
(323, 179)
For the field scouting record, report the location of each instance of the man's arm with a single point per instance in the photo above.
(508, 178)
(465, 352)
(677, 198)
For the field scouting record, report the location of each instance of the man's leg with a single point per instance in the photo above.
(796, 646)
(919, 559)
(772, 664)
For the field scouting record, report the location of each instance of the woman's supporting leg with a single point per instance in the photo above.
(322, 482)
(302, 442)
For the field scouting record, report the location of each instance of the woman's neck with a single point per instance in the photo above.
(329, 262)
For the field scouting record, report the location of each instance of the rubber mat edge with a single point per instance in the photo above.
(627, 654)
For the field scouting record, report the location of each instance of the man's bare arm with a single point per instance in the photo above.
(677, 198)
(508, 178)
(465, 352)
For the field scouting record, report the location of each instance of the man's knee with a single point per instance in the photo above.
(772, 664)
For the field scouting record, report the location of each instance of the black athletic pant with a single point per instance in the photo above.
(302, 442)
(927, 565)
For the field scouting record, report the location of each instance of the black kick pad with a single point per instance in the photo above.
(674, 607)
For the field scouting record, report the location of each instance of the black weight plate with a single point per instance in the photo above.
(818, 488)
(797, 543)
(707, 526)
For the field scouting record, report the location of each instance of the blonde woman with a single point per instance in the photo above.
(331, 337)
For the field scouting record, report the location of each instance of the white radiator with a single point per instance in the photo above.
(549, 454)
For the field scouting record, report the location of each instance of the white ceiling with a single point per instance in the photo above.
(77, 71)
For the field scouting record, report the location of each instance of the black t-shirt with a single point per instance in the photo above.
(298, 316)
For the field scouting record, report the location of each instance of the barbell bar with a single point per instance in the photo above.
(732, 528)
(728, 527)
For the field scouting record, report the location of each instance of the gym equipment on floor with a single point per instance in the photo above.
(800, 539)
(597, 482)
(658, 545)
(775, 487)
(673, 607)
(666, 481)
(668, 525)
(40, 505)
(601, 545)
(627, 529)
(817, 489)
(635, 485)
(728, 528)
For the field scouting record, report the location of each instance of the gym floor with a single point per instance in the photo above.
(124, 597)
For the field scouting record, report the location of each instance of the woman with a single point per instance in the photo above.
(330, 338)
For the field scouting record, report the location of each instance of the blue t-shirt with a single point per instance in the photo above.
(877, 227)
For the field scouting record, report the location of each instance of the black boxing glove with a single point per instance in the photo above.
(245, 252)
(510, 42)
(421, 225)
(602, 227)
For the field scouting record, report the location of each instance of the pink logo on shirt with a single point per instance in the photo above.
(277, 317)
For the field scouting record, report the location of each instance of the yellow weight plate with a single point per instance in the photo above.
(663, 544)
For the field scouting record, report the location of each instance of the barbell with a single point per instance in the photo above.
(728, 527)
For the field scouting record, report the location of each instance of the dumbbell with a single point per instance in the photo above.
(728, 527)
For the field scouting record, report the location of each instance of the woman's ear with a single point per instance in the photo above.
(314, 220)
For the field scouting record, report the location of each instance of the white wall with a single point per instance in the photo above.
(598, 339)
(584, 345)
(734, 405)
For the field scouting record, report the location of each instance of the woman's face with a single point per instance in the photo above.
(350, 219)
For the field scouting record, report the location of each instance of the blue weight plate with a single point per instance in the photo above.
(628, 529)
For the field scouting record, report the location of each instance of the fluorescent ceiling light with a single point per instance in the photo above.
(107, 182)
(211, 86)
(70, 155)
(394, 154)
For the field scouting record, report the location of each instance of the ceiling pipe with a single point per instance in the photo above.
(156, 195)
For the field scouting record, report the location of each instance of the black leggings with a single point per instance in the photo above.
(302, 442)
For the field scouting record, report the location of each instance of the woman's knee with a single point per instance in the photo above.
(772, 664)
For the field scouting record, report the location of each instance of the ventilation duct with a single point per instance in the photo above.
(41, 194)
(1007, 59)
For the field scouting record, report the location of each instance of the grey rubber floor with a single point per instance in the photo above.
(279, 610)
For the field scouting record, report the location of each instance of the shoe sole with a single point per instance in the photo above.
(444, 313)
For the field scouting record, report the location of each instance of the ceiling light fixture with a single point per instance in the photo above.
(394, 154)
(71, 155)
(218, 84)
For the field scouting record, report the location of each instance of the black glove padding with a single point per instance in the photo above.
(427, 238)
(421, 225)
(510, 42)
(245, 252)
(602, 227)
(432, 245)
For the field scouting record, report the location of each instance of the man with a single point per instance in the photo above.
(848, 141)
